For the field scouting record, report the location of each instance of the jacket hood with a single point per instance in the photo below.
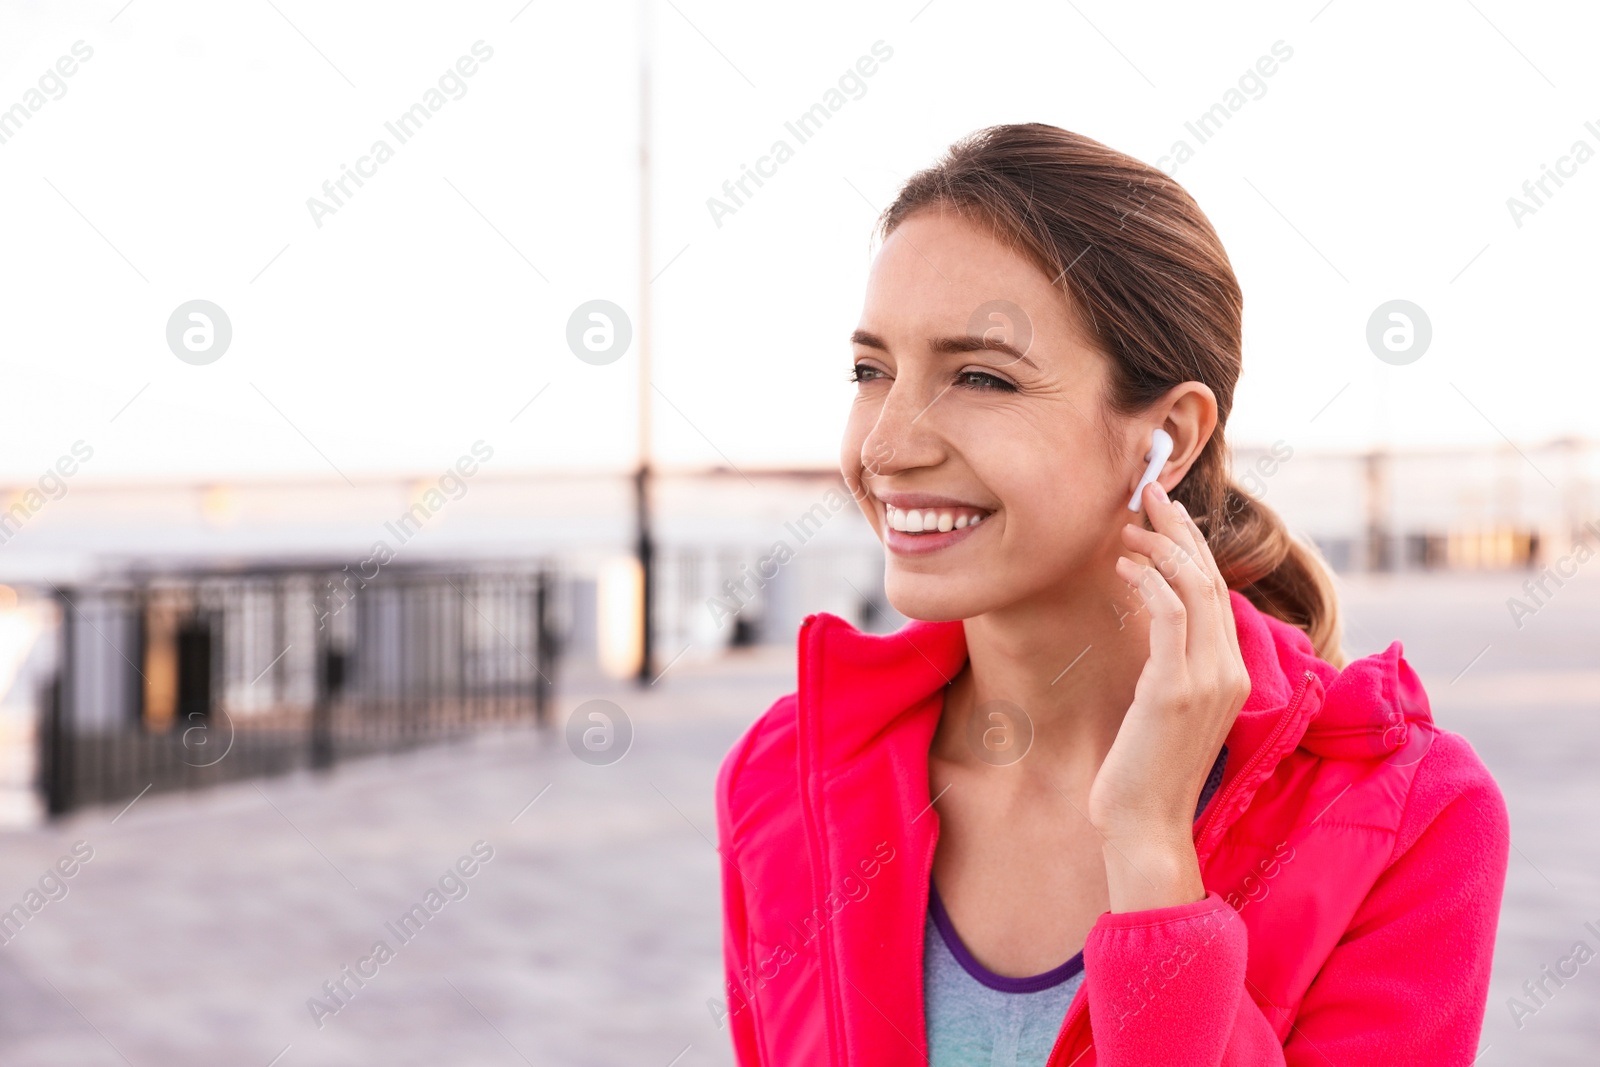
(1372, 708)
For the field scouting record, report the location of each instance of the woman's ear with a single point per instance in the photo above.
(1190, 419)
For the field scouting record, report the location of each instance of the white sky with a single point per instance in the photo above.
(1376, 166)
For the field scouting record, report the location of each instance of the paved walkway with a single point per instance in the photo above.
(203, 923)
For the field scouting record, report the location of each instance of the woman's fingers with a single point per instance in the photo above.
(1228, 666)
(1168, 616)
(1166, 519)
(1210, 563)
(1203, 547)
(1173, 549)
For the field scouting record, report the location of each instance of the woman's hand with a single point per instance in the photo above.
(1187, 697)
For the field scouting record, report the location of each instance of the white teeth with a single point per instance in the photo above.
(926, 521)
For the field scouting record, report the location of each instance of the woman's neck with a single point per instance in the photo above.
(1070, 663)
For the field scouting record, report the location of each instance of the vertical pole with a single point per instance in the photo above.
(461, 713)
(55, 763)
(280, 599)
(61, 708)
(1378, 519)
(543, 656)
(641, 482)
(327, 679)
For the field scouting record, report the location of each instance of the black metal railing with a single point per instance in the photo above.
(178, 681)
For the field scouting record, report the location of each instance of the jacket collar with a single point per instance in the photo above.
(855, 687)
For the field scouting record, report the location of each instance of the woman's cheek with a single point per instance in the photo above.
(850, 467)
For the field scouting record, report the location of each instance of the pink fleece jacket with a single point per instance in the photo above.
(1354, 856)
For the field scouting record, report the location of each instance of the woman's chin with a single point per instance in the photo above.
(929, 598)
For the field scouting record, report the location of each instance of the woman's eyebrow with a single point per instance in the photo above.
(945, 346)
(969, 343)
(868, 340)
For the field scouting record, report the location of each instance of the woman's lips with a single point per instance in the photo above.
(918, 531)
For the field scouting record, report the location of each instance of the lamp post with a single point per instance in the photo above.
(644, 544)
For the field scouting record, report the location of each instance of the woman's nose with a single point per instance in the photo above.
(904, 436)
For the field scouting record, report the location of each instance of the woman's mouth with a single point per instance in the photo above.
(931, 520)
(913, 531)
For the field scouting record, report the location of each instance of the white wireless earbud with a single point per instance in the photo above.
(1160, 450)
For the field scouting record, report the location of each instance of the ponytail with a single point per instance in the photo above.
(1282, 576)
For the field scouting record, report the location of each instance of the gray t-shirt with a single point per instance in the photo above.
(977, 1018)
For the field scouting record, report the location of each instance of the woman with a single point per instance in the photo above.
(1115, 797)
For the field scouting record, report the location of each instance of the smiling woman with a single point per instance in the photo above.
(1097, 735)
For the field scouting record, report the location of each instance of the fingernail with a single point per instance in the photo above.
(1181, 509)
(1161, 493)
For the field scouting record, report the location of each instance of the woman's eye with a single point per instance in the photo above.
(977, 379)
(864, 372)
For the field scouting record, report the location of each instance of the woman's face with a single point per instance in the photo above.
(986, 472)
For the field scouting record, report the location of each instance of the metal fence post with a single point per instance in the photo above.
(55, 749)
(545, 651)
(329, 680)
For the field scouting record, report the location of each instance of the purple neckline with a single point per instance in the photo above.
(1032, 983)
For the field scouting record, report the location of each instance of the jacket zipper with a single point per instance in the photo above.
(1080, 1001)
(1282, 724)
